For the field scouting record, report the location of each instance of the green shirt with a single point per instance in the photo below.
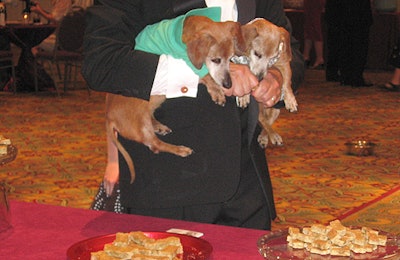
(165, 37)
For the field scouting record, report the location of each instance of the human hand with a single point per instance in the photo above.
(268, 91)
(243, 80)
(111, 177)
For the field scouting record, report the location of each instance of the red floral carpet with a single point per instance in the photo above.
(62, 146)
(315, 180)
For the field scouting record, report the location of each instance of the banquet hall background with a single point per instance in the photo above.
(62, 151)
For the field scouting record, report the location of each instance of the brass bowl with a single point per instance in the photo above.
(360, 148)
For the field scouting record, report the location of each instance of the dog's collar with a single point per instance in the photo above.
(274, 59)
(244, 60)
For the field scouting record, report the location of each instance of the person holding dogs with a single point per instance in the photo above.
(225, 180)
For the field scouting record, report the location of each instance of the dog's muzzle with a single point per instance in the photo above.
(227, 83)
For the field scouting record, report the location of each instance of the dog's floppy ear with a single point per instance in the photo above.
(198, 47)
(249, 33)
(239, 40)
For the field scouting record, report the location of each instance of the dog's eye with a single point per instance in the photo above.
(216, 60)
(258, 55)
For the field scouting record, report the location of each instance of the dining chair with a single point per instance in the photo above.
(67, 50)
(7, 62)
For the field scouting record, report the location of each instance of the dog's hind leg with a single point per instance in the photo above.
(148, 130)
(157, 146)
(159, 128)
(154, 103)
(267, 116)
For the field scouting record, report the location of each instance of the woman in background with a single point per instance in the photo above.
(313, 10)
(59, 9)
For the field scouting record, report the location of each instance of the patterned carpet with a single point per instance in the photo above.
(314, 179)
(61, 159)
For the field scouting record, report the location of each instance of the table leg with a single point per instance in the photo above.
(25, 74)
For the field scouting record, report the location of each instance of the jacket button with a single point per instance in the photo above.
(184, 89)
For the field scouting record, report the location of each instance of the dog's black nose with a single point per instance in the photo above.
(227, 83)
(260, 76)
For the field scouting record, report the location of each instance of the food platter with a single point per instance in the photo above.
(193, 248)
(274, 246)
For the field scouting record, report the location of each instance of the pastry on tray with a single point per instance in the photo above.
(335, 239)
(4, 143)
(3, 149)
(136, 245)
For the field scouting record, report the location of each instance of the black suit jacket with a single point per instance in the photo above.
(212, 173)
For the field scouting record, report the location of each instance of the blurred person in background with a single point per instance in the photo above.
(313, 37)
(394, 84)
(59, 9)
(348, 26)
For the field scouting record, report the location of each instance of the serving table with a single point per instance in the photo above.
(46, 232)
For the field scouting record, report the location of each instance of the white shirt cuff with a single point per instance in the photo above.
(174, 79)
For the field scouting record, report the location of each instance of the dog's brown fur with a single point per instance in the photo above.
(264, 42)
(210, 43)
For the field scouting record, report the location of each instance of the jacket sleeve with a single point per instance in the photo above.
(273, 11)
(110, 62)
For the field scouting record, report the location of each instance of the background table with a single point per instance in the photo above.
(46, 232)
(26, 36)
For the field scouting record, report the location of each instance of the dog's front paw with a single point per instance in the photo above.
(244, 101)
(218, 97)
(291, 104)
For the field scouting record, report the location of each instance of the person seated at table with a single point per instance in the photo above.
(59, 9)
(226, 180)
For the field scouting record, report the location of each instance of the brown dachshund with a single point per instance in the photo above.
(269, 46)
